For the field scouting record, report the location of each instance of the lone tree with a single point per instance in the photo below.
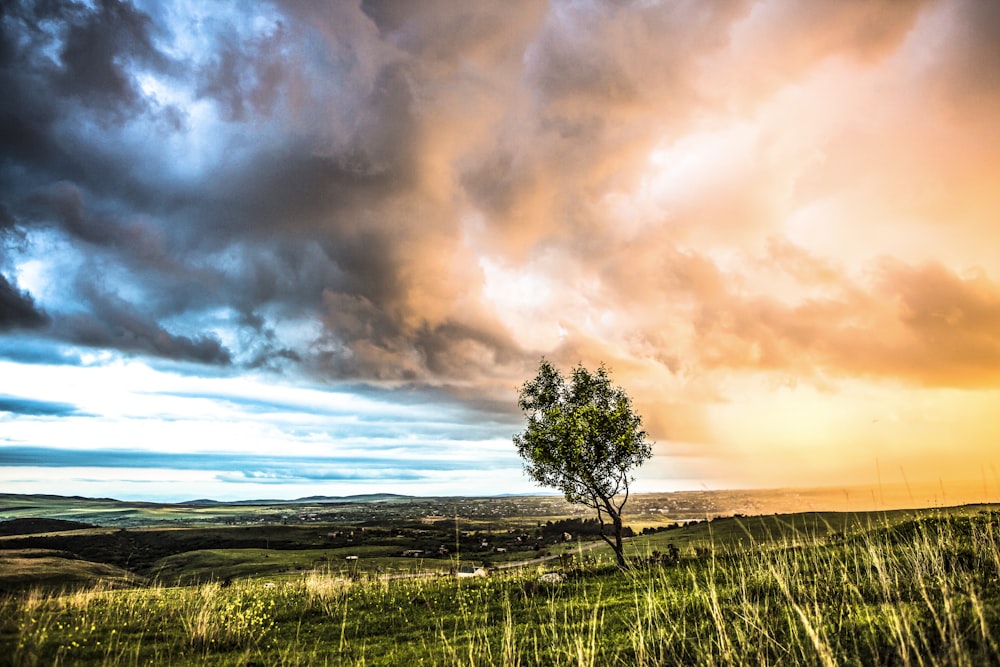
(584, 438)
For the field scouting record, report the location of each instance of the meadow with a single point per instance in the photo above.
(917, 587)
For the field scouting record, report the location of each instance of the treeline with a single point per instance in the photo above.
(579, 527)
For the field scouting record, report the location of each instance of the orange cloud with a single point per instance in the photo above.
(925, 325)
(707, 196)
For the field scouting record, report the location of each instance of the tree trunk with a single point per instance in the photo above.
(616, 521)
(619, 550)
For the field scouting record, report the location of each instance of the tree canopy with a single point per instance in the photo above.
(584, 438)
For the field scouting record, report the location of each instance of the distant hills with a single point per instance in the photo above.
(358, 498)
(642, 507)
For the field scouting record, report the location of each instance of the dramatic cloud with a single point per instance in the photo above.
(112, 323)
(724, 201)
(922, 324)
(17, 308)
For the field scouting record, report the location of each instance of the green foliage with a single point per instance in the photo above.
(583, 438)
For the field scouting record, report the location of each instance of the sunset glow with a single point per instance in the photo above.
(313, 248)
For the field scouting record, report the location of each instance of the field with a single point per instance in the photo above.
(884, 587)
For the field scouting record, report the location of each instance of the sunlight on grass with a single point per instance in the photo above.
(916, 593)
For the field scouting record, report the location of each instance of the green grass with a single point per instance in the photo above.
(46, 568)
(921, 591)
(221, 564)
(161, 550)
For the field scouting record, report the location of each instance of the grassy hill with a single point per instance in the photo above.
(826, 589)
(175, 554)
(915, 586)
(27, 569)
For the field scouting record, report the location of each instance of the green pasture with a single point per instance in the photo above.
(222, 564)
(22, 569)
(923, 590)
(739, 533)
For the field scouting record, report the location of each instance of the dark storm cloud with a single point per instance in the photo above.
(26, 110)
(6, 221)
(62, 57)
(66, 65)
(319, 185)
(245, 76)
(63, 204)
(312, 206)
(97, 51)
(115, 324)
(324, 213)
(18, 309)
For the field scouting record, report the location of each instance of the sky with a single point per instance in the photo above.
(272, 250)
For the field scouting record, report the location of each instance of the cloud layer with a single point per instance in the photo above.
(421, 195)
